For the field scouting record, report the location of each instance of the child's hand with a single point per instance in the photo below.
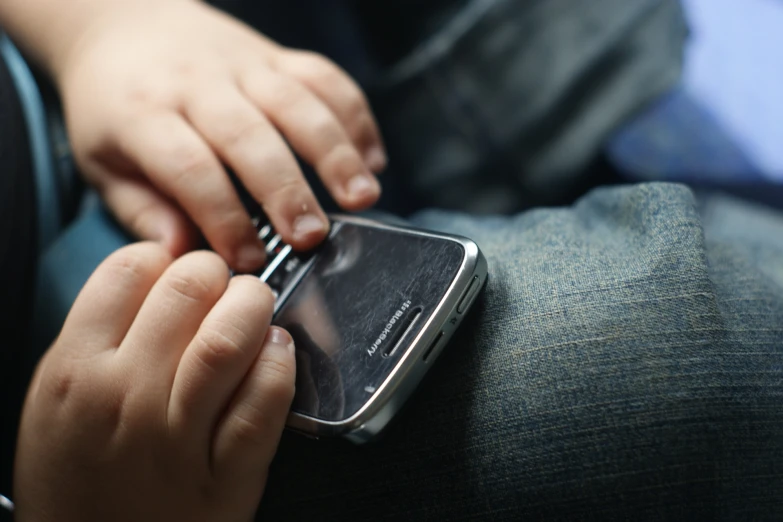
(164, 397)
(160, 93)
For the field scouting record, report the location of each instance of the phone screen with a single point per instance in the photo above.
(366, 296)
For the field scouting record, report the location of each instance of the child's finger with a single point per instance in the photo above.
(247, 141)
(316, 134)
(178, 161)
(344, 98)
(247, 437)
(171, 315)
(219, 356)
(107, 305)
(147, 213)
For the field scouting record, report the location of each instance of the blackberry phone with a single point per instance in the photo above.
(369, 310)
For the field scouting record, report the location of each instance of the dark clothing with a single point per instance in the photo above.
(525, 92)
(17, 261)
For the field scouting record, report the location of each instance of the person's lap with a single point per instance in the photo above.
(624, 361)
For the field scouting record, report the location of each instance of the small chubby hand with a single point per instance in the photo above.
(162, 95)
(163, 398)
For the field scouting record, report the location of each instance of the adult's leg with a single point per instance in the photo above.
(625, 363)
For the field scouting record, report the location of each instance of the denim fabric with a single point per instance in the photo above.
(624, 363)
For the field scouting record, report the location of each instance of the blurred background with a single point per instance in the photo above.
(735, 69)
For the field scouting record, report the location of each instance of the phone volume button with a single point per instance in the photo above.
(470, 294)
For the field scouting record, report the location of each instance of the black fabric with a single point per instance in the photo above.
(18, 243)
(360, 35)
(394, 28)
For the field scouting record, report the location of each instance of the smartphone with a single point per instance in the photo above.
(370, 310)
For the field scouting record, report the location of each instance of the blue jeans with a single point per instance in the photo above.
(625, 363)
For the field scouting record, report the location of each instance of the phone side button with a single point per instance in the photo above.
(470, 294)
(434, 347)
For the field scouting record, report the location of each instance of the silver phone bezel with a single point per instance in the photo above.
(383, 405)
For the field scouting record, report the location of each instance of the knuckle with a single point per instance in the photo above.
(189, 288)
(286, 95)
(342, 162)
(72, 391)
(185, 69)
(224, 214)
(189, 163)
(220, 343)
(319, 67)
(256, 420)
(272, 157)
(137, 262)
(153, 91)
(144, 94)
(278, 376)
(251, 430)
(326, 128)
(198, 276)
(260, 294)
(247, 132)
(272, 90)
(227, 227)
(59, 384)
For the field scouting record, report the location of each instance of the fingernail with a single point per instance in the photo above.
(363, 185)
(250, 257)
(376, 159)
(308, 225)
(280, 337)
